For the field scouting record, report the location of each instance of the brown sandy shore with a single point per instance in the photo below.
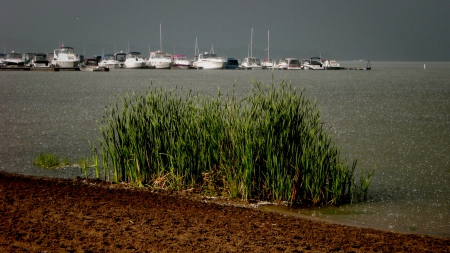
(77, 215)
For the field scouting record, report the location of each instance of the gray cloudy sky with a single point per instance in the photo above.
(341, 30)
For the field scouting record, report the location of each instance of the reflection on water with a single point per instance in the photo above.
(394, 118)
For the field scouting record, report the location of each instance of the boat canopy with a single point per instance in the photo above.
(179, 56)
(204, 56)
(14, 55)
(109, 57)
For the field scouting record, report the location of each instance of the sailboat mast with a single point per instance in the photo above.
(160, 38)
(268, 46)
(251, 44)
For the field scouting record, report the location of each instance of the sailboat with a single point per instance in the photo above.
(267, 63)
(250, 62)
(160, 59)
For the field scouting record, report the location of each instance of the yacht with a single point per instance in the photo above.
(314, 63)
(208, 61)
(40, 61)
(159, 60)
(14, 59)
(180, 61)
(108, 61)
(65, 57)
(134, 60)
(120, 58)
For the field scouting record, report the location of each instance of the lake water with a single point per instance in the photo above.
(394, 118)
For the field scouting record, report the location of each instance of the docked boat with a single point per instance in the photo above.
(120, 58)
(180, 61)
(267, 63)
(108, 61)
(65, 57)
(27, 57)
(314, 63)
(288, 64)
(40, 61)
(14, 59)
(92, 64)
(134, 60)
(331, 64)
(231, 63)
(208, 61)
(159, 60)
(250, 63)
(2, 60)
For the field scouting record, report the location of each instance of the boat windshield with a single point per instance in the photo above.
(254, 61)
(205, 56)
(179, 57)
(14, 55)
(40, 57)
(66, 50)
(120, 57)
(133, 55)
(294, 63)
(109, 57)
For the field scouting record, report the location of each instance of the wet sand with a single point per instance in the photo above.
(78, 215)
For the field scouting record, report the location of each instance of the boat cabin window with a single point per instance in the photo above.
(39, 57)
(120, 57)
(109, 57)
(66, 50)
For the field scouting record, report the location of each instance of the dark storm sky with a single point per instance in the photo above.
(340, 30)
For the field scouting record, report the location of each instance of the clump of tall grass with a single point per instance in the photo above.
(50, 161)
(269, 145)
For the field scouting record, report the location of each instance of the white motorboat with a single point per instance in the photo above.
(92, 64)
(120, 58)
(134, 60)
(40, 61)
(14, 59)
(314, 63)
(109, 61)
(331, 64)
(159, 60)
(288, 63)
(65, 57)
(208, 61)
(180, 61)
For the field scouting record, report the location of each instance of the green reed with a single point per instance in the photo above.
(50, 161)
(270, 145)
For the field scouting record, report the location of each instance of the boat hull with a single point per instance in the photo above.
(67, 64)
(209, 65)
(160, 64)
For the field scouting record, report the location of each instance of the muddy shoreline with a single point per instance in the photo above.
(77, 215)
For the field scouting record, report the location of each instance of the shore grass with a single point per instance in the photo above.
(50, 161)
(270, 145)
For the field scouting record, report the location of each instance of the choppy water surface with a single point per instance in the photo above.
(394, 118)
